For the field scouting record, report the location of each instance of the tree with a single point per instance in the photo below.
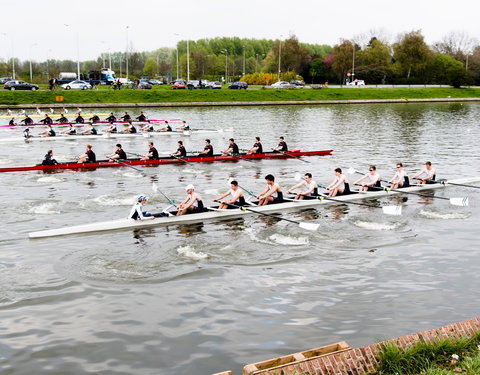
(293, 56)
(411, 53)
(344, 55)
(445, 69)
(456, 44)
(150, 68)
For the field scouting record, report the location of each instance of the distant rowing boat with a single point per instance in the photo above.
(51, 114)
(153, 121)
(216, 214)
(167, 160)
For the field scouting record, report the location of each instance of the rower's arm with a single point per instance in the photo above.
(222, 196)
(419, 173)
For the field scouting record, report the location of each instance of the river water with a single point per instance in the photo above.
(199, 299)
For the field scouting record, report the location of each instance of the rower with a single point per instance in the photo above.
(428, 173)
(27, 120)
(184, 126)
(141, 117)
(148, 127)
(166, 128)
(207, 150)
(152, 153)
(90, 130)
(282, 146)
(94, 118)
(400, 178)
(70, 130)
(257, 147)
(111, 119)
(266, 196)
(181, 151)
(339, 185)
(126, 117)
(373, 183)
(12, 122)
(47, 120)
(88, 156)
(26, 133)
(238, 198)
(38, 111)
(131, 128)
(192, 203)
(49, 132)
(137, 213)
(232, 148)
(48, 159)
(311, 187)
(119, 154)
(112, 128)
(62, 119)
(79, 119)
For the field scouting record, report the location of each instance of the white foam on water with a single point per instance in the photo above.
(49, 179)
(110, 200)
(444, 216)
(370, 225)
(289, 240)
(45, 208)
(194, 171)
(5, 161)
(212, 191)
(189, 252)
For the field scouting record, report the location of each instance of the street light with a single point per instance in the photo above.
(78, 54)
(188, 58)
(225, 51)
(31, 45)
(244, 60)
(279, 56)
(126, 56)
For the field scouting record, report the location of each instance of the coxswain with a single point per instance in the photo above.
(282, 146)
(192, 203)
(126, 117)
(232, 148)
(130, 128)
(166, 128)
(48, 159)
(428, 174)
(152, 153)
(62, 119)
(12, 122)
(38, 111)
(79, 119)
(65, 110)
(238, 198)
(27, 120)
(266, 196)
(373, 180)
(400, 178)
(79, 110)
(311, 187)
(119, 154)
(70, 130)
(181, 151)
(112, 128)
(257, 147)
(94, 118)
(47, 120)
(141, 117)
(9, 112)
(49, 132)
(111, 119)
(207, 150)
(26, 133)
(137, 213)
(339, 185)
(184, 126)
(88, 156)
(90, 130)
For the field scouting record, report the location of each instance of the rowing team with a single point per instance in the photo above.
(273, 193)
(152, 153)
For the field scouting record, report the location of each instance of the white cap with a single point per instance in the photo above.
(190, 187)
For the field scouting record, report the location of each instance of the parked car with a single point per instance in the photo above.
(80, 85)
(155, 82)
(297, 83)
(357, 82)
(193, 84)
(282, 85)
(19, 85)
(215, 85)
(238, 85)
(142, 85)
(4, 80)
(179, 84)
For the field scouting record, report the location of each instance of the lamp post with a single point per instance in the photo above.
(279, 56)
(78, 54)
(49, 53)
(177, 55)
(31, 45)
(226, 64)
(188, 62)
(244, 60)
(126, 56)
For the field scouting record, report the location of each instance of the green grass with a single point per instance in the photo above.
(432, 359)
(225, 95)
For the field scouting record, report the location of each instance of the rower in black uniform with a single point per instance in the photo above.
(111, 118)
(88, 157)
(282, 146)
(148, 127)
(131, 128)
(49, 132)
(126, 117)
(181, 151)
(166, 128)
(207, 150)
(12, 122)
(94, 118)
(141, 117)
(232, 148)
(62, 119)
(47, 120)
(70, 130)
(79, 119)
(257, 147)
(152, 153)
(90, 130)
(111, 129)
(48, 159)
(119, 154)
(27, 120)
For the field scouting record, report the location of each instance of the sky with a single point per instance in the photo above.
(50, 28)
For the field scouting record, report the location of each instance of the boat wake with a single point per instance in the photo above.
(444, 216)
(46, 208)
(5, 161)
(189, 252)
(49, 179)
(109, 200)
(278, 239)
(371, 225)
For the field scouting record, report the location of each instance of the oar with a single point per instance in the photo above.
(463, 201)
(133, 153)
(130, 166)
(245, 190)
(446, 182)
(179, 158)
(157, 190)
(307, 226)
(292, 156)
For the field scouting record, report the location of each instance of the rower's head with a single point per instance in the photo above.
(282, 139)
(269, 178)
(231, 140)
(89, 147)
(428, 164)
(338, 170)
(166, 122)
(190, 188)
(119, 146)
(399, 165)
(308, 176)
(180, 143)
(142, 199)
(126, 113)
(234, 184)
(372, 169)
(258, 139)
(150, 144)
(184, 122)
(207, 141)
(50, 152)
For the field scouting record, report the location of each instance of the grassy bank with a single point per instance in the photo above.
(225, 95)
(447, 357)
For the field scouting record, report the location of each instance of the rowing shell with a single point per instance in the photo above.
(94, 123)
(51, 114)
(217, 214)
(168, 160)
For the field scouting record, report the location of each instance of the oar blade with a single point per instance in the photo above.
(392, 210)
(459, 201)
(298, 177)
(309, 226)
(154, 187)
(351, 170)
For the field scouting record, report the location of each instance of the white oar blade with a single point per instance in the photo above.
(459, 201)
(392, 210)
(309, 226)
(154, 187)
(351, 171)
(298, 177)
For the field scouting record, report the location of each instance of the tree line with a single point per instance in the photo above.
(455, 60)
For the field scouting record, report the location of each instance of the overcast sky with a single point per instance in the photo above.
(37, 28)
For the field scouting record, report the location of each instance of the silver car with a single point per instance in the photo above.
(79, 85)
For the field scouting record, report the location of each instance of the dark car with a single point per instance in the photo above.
(19, 85)
(4, 80)
(238, 85)
(297, 83)
(142, 85)
(155, 82)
